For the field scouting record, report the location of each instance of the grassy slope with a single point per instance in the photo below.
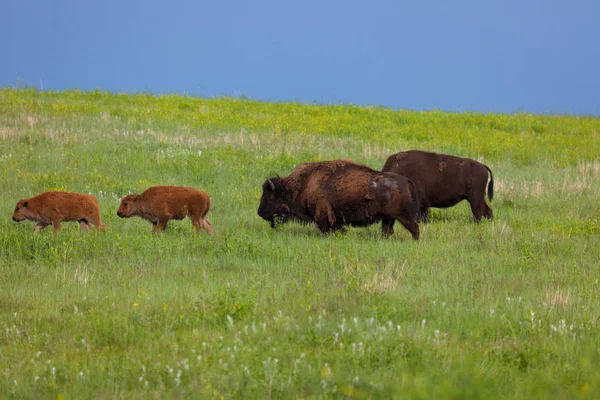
(504, 309)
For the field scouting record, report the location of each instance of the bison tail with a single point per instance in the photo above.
(415, 199)
(491, 184)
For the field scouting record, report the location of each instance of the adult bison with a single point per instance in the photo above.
(52, 208)
(160, 204)
(304, 182)
(443, 180)
(346, 194)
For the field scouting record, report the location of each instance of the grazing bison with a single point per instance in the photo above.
(304, 182)
(349, 194)
(443, 180)
(52, 208)
(159, 204)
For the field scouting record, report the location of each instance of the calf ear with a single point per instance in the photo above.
(25, 204)
(136, 197)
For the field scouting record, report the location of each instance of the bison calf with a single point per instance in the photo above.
(352, 194)
(443, 180)
(159, 204)
(52, 208)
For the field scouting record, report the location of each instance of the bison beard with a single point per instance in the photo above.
(443, 180)
(347, 194)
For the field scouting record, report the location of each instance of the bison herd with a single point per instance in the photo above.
(330, 194)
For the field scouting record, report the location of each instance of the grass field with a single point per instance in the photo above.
(504, 309)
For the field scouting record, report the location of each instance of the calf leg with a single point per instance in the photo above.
(202, 223)
(197, 225)
(207, 225)
(56, 226)
(39, 226)
(161, 225)
(84, 224)
(98, 223)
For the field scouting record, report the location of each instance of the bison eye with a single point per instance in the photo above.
(124, 204)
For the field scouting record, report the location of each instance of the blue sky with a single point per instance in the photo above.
(501, 56)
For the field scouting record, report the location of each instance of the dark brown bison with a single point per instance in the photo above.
(349, 194)
(443, 180)
(52, 208)
(304, 182)
(159, 204)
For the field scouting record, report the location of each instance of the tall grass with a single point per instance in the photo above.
(501, 309)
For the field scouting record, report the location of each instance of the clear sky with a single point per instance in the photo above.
(489, 56)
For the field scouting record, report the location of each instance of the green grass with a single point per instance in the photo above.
(503, 309)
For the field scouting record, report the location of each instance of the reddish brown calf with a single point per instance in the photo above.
(52, 208)
(160, 204)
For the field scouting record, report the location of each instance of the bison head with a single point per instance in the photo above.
(128, 207)
(272, 207)
(20, 213)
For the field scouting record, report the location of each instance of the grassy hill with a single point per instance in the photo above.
(503, 309)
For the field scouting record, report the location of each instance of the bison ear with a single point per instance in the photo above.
(25, 204)
(271, 184)
(136, 197)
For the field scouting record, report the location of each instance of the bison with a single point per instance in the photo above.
(159, 204)
(304, 184)
(346, 194)
(52, 208)
(443, 180)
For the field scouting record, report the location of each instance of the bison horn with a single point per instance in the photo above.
(271, 184)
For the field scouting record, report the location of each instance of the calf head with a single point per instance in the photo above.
(272, 206)
(21, 211)
(128, 207)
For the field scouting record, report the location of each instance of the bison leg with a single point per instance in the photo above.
(324, 226)
(84, 224)
(387, 226)
(202, 224)
(39, 226)
(477, 207)
(207, 225)
(487, 212)
(161, 225)
(325, 218)
(98, 223)
(424, 213)
(56, 226)
(477, 214)
(412, 226)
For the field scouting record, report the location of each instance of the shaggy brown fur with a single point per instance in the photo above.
(159, 204)
(443, 180)
(348, 194)
(52, 208)
(304, 187)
